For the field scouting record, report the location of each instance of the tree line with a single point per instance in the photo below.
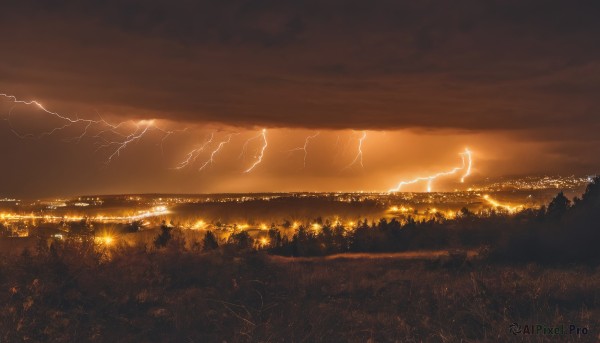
(564, 231)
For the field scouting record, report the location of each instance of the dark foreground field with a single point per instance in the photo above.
(75, 294)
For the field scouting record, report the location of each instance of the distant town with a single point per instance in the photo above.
(256, 212)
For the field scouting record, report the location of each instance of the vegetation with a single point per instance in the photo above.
(71, 292)
(536, 267)
(164, 237)
(564, 232)
(134, 226)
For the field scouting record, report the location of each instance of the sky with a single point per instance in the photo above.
(515, 82)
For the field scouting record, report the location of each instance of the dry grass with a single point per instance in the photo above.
(386, 300)
(405, 255)
(183, 296)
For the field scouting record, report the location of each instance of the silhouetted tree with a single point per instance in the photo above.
(82, 227)
(286, 224)
(4, 231)
(465, 213)
(210, 241)
(274, 238)
(558, 206)
(241, 240)
(591, 197)
(305, 243)
(164, 237)
(134, 226)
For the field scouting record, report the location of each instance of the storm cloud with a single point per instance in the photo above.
(515, 81)
(469, 65)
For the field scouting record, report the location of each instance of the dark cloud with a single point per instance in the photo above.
(337, 64)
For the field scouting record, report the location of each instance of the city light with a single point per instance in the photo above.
(495, 203)
(200, 224)
(154, 212)
(105, 239)
(401, 209)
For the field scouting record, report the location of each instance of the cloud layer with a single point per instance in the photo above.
(469, 65)
(516, 81)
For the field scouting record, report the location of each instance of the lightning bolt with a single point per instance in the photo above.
(137, 134)
(431, 178)
(78, 139)
(359, 153)
(68, 120)
(245, 146)
(120, 145)
(14, 100)
(262, 151)
(212, 155)
(304, 148)
(167, 134)
(110, 128)
(12, 129)
(467, 153)
(102, 127)
(193, 155)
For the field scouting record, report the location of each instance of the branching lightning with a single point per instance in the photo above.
(467, 154)
(68, 120)
(78, 139)
(167, 134)
(245, 146)
(101, 127)
(12, 129)
(193, 155)
(214, 152)
(359, 153)
(14, 99)
(259, 158)
(113, 139)
(140, 131)
(305, 146)
(466, 165)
